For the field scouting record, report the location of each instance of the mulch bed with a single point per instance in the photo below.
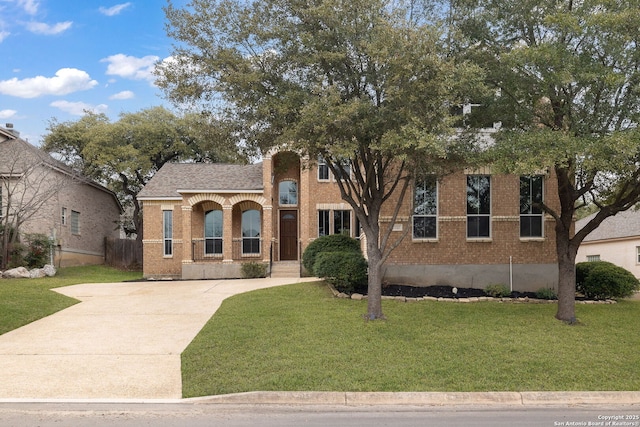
(441, 292)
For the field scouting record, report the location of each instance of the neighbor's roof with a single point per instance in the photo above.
(623, 224)
(172, 178)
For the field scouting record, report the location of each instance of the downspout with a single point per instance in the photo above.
(511, 273)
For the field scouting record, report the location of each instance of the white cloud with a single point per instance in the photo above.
(113, 10)
(46, 29)
(6, 114)
(29, 6)
(125, 94)
(130, 67)
(79, 108)
(65, 81)
(4, 35)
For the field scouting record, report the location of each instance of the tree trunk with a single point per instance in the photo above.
(566, 277)
(374, 291)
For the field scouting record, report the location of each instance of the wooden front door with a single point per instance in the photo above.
(288, 235)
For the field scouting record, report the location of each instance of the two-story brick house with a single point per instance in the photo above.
(74, 211)
(468, 229)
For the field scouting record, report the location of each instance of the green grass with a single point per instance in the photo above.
(23, 301)
(299, 337)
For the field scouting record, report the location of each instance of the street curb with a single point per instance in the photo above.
(424, 399)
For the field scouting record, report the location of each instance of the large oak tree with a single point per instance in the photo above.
(567, 80)
(363, 83)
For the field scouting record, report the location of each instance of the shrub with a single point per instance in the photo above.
(546, 293)
(38, 247)
(253, 270)
(330, 243)
(497, 290)
(344, 270)
(605, 280)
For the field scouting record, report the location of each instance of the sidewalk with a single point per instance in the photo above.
(123, 341)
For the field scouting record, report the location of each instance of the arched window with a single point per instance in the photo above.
(251, 232)
(213, 232)
(288, 193)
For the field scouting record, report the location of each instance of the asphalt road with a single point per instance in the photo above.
(196, 415)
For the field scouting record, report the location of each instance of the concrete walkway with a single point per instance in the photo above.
(122, 341)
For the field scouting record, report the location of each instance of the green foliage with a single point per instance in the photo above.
(329, 243)
(344, 270)
(546, 293)
(16, 255)
(604, 280)
(254, 270)
(38, 250)
(497, 290)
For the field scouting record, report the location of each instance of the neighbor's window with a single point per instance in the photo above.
(63, 215)
(213, 232)
(425, 208)
(478, 206)
(288, 192)
(251, 232)
(323, 223)
(167, 232)
(531, 193)
(592, 258)
(342, 222)
(638, 254)
(323, 169)
(75, 222)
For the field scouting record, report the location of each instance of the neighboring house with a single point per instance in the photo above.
(74, 211)
(468, 229)
(616, 240)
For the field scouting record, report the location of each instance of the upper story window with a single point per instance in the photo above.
(531, 196)
(75, 222)
(251, 231)
(478, 206)
(323, 169)
(425, 208)
(63, 216)
(288, 193)
(343, 169)
(167, 232)
(213, 232)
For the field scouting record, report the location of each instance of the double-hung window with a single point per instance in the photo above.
(323, 223)
(323, 169)
(167, 232)
(251, 231)
(478, 206)
(343, 170)
(213, 232)
(342, 222)
(531, 193)
(75, 222)
(425, 208)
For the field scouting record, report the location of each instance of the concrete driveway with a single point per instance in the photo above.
(122, 341)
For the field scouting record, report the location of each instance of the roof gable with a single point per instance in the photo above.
(623, 224)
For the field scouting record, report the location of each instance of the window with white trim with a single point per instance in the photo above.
(75, 222)
(637, 254)
(343, 169)
(288, 193)
(63, 216)
(342, 222)
(251, 231)
(425, 208)
(593, 258)
(213, 232)
(323, 169)
(167, 232)
(531, 194)
(478, 206)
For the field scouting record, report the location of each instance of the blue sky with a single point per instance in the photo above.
(60, 57)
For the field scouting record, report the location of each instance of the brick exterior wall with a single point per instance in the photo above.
(419, 261)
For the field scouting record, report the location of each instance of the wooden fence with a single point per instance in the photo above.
(123, 253)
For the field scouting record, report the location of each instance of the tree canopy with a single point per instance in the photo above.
(366, 85)
(566, 76)
(125, 154)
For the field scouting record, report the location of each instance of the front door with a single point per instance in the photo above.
(288, 235)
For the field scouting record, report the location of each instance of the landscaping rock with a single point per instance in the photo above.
(16, 273)
(49, 270)
(36, 273)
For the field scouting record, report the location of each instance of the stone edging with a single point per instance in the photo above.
(525, 300)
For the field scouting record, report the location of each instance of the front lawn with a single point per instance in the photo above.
(23, 301)
(298, 337)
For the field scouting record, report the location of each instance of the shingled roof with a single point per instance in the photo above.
(623, 224)
(202, 177)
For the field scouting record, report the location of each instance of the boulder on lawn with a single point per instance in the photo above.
(17, 273)
(36, 273)
(49, 270)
